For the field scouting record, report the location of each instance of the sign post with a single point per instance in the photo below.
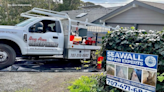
(132, 72)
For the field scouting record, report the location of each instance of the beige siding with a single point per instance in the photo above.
(151, 27)
(121, 25)
(138, 15)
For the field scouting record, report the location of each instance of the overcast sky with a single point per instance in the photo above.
(111, 3)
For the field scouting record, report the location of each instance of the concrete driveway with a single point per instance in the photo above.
(38, 82)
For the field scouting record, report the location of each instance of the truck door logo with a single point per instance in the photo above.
(40, 42)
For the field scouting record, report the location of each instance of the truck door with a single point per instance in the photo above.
(45, 38)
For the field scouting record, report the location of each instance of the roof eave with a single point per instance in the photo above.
(125, 8)
(121, 9)
(150, 7)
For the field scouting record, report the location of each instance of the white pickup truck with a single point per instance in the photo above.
(45, 33)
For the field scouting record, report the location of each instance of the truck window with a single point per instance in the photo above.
(37, 28)
(26, 22)
(48, 26)
(58, 27)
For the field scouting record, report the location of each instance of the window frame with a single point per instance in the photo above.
(57, 24)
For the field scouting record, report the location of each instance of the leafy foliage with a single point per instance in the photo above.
(69, 5)
(94, 83)
(160, 77)
(83, 84)
(10, 15)
(138, 41)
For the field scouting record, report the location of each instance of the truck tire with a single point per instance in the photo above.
(7, 56)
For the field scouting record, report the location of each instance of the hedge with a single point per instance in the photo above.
(137, 41)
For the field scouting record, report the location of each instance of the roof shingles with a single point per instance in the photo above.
(154, 4)
(92, 14)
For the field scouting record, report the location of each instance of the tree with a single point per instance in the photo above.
(88, 4)
(11, 14)
(69, 5)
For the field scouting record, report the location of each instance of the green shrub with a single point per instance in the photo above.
(95, 83)
(137, 41)
(83, 84)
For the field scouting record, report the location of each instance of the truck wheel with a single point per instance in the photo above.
(7, 56)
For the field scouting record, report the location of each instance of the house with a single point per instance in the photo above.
(91, 13)
(140, 14)
(58, 1)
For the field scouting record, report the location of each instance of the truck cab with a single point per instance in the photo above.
(43, 36)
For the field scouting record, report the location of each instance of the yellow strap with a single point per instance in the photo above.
(86, 65)
(86, 61)
(99, 63)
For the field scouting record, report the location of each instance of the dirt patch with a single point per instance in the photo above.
(38, 82)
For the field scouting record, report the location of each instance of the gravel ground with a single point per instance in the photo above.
(37, 82)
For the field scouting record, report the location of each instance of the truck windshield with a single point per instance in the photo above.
(26, 22)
